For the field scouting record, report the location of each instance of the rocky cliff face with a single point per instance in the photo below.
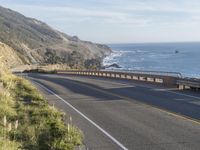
(36, 43)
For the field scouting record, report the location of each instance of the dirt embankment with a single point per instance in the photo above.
(8, 56)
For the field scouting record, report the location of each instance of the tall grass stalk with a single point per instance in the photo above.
(41, 125)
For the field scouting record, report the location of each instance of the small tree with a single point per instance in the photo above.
(93, 64)
(52, 58)
(76, 60)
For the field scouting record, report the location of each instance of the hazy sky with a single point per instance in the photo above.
(117, 21)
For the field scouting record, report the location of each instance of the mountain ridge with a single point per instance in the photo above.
(36, 42)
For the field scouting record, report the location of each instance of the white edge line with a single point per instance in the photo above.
(166, 90)
(80, 113)
(187, 95)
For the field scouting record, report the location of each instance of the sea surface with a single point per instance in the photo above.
(169, 57)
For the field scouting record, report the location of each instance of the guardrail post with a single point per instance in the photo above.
(128, 76)
(134, 77)
(149, 79)
(169, 80)
(181, 87)
(131, 77)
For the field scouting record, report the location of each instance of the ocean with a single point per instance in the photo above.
(168, 57)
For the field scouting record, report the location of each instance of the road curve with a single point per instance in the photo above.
(116, 114)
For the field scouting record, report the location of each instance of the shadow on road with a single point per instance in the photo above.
(180, 104)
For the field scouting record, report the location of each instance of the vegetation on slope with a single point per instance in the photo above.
(74, 60)
(32, 39)
(28, 122)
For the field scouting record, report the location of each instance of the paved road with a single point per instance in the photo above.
(116, 114)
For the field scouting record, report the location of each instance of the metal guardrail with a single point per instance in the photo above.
(160, 73)
(149, 76)
(189, 82)
(166, 78)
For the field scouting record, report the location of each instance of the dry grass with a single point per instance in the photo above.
(27, 121)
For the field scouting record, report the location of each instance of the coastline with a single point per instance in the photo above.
(156, 57)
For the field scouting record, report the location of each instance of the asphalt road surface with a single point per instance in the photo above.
(116, 114)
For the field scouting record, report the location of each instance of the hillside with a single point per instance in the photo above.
(8, 56)
(37, 43)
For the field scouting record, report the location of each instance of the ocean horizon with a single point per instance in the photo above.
(182, 57)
